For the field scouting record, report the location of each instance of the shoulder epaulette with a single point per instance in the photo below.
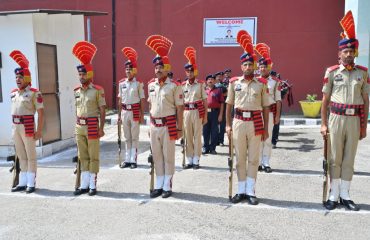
(361, 67)
(201, 81)
(176, 82)
(14, 90)
(276, 79)
(34, 89)
(183, 83)
(151, 80)
(77, 88)
(332, 68)
(98, 87)
(262, 80)
(233, 79)
(122, 80)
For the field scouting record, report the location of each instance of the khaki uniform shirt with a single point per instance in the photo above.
(89, 100)
(248, 95)
(194, 92)
(131, 92)
(345, 86)
(164, 99)
(274, 89)
(26, 101)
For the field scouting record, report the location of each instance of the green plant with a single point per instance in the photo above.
(311, 98)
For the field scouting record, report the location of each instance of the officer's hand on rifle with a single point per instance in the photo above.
(228, 131)
(324, 130)
(101, 132)
(265, 135)
(179, 133)
(363, 133)
(142, 121)
(205, 120)
(37, 135)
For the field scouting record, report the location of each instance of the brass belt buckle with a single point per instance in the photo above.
(82, 121)
(191, 105)
(16, 120)
(128, 107)
(209, 110)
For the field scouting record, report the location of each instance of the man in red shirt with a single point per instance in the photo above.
(215, 100)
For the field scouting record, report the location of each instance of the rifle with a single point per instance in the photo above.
(183, 143)
(151, 171)
(77, 171)
(325, 166)
(230, 162)
(16, 169)
(119, 143)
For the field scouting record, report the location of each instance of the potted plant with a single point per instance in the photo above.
(311, 107)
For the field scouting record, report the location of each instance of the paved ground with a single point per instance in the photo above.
(290, 198)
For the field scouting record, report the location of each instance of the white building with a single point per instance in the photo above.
(46, 37)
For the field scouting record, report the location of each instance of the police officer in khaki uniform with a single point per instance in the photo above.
(264, 65)
(248, 95)
(25, 102)
(166, 114)
(346, 91)
(195, 116)
(90, 111)
(131, 107)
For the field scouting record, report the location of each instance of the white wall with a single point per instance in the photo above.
(22, 32)
(361, 10)
(62, 30)
(16, 32)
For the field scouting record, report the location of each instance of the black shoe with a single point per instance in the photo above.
(267, 169)
(125, 165)
(92, 192)
(222, 144)
(252, 200)
(196, 166)
(19, 188)
(133, 165)
(156, 193)
(213, 152)
(238, 198)
(188, 166)
(30, 189)
(166, 194)
(330, 205)
(80, 191)
(260, 168)
(273, 146)
(205, 151)
(349, 204)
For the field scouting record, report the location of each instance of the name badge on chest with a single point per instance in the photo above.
(246, 114)
(350, 111)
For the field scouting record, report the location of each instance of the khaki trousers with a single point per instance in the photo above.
(25, 148)
(247, 148)
(131, 129)
(266, 146)
(344, 136)
(163, 150)
(193, 133)
(88, 152)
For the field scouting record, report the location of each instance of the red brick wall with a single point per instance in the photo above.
(303, 35)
